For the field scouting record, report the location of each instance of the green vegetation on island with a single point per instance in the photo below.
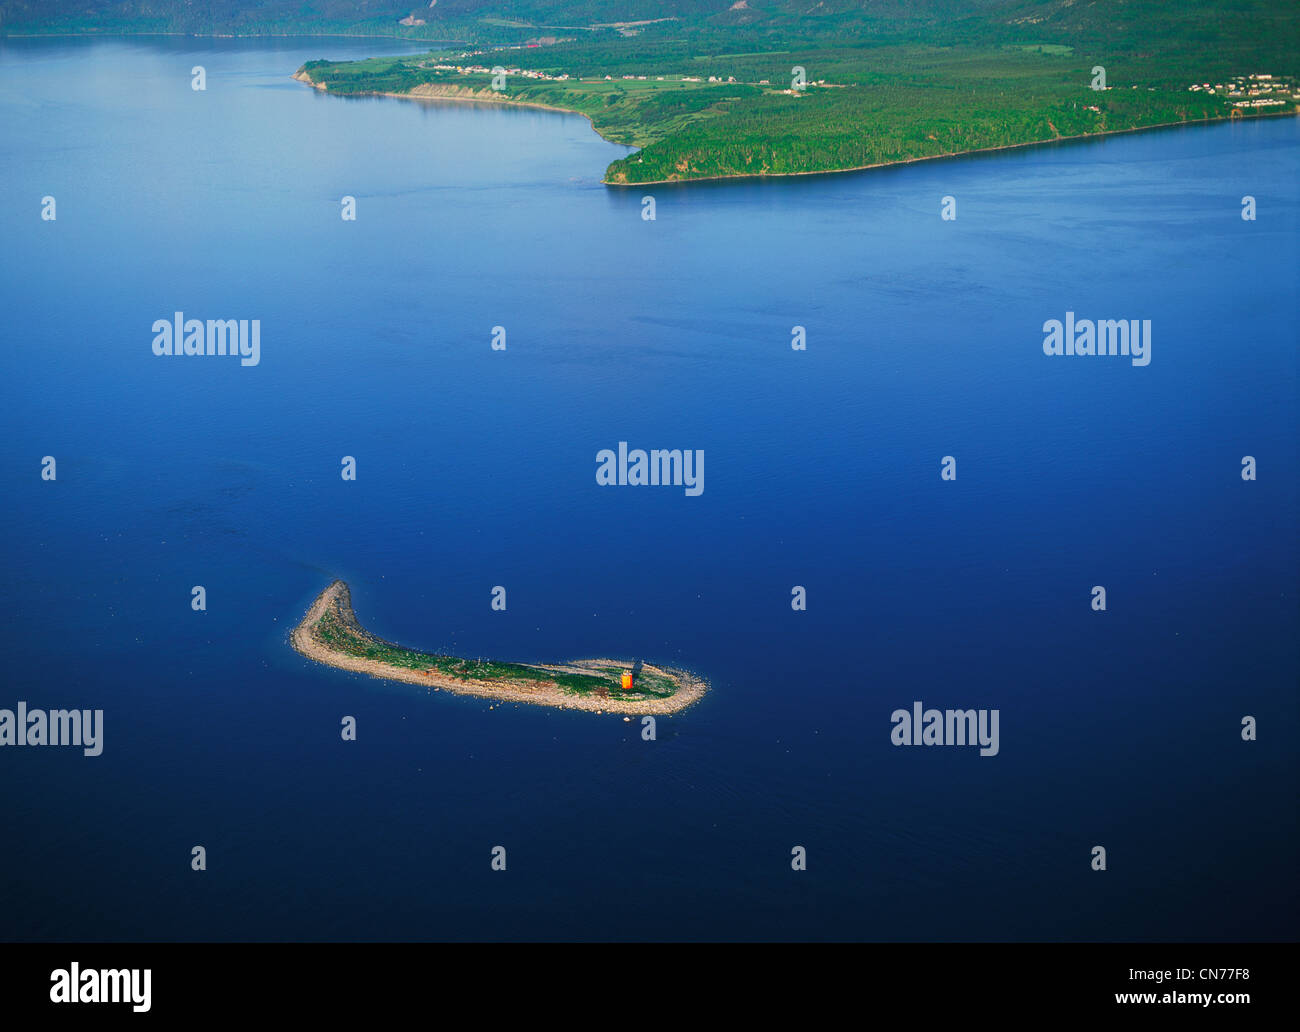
(351, 639)
(331, 634)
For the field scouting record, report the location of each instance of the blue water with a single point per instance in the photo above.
(476, 468)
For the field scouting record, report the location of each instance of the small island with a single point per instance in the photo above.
(330, 634)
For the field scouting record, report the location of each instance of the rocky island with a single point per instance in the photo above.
(330, 634)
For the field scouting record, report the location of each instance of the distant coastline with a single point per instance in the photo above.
(330, 634)
(469, 94)
(304, 34)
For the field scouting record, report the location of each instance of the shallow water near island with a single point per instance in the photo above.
(476, 469)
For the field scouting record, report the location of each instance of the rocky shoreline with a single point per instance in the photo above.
(307, 641)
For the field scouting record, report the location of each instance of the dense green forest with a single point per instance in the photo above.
(887, 80)
(883, 88)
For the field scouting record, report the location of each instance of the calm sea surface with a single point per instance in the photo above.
(476, 468)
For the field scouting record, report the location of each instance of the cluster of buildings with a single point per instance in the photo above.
(524, 73)
(532, 73)
(1252, 91)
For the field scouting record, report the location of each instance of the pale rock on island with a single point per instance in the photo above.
(330, 634)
